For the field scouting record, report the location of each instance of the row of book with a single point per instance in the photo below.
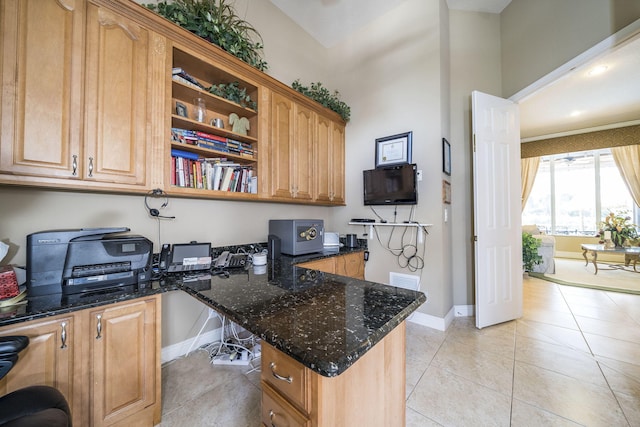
(189, 170)
(213, 142)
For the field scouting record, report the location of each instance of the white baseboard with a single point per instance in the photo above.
(464, 310)
(439, 323)
(174, 351)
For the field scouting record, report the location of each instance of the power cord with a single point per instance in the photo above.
(407, 254)
(232, 348)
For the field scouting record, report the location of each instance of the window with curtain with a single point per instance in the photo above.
(574, 191)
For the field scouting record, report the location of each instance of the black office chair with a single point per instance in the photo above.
(30, 406)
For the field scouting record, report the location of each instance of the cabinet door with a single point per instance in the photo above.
(323, 159)
(117, 98)
(337, 163)
(303, 152)
(329, 161)
(292, 134)
(47, 360)
(124, 355)
(350, 265)
(281, 146)
(40, 102)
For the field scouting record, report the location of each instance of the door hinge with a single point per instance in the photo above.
(474, 142)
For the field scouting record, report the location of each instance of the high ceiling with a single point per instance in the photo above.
(604, 92)
(576, 100)
(331, 21)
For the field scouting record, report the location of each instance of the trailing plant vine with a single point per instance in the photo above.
(322, 95)
(217, 22)
(234, 93)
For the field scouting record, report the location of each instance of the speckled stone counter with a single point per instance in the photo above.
(326, 322)
(54, 304)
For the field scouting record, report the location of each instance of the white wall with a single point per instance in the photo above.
(475, 65)
(390, 73)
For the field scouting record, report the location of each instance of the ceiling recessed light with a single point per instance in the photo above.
(575, 113)
(598, 69)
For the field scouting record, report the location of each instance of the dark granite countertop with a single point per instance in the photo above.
(325, 321)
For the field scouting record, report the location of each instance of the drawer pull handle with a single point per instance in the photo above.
(271, 415)
(74, 165)
(99, 326)
(63, 334)
(280, 377)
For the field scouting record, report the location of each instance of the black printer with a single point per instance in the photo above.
(85, 260)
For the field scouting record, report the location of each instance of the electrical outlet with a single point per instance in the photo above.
(419, 175)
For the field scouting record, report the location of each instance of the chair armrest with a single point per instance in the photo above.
(12, 345)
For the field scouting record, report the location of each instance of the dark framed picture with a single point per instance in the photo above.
(446, 156)
(181, 109)
(394, 150)
(446, 192)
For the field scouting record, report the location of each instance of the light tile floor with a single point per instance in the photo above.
(572, 359)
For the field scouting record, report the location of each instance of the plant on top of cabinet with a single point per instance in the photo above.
(217, 22)
(322, 95)
(234, 93)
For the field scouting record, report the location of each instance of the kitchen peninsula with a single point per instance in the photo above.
(333, 346)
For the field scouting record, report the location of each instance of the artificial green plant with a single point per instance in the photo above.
(322, 95)
(217, 22)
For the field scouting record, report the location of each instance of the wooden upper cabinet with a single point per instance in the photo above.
(292, 129)
(303, 152)
(337, 163)
(42, 51)
(78, 103)
(329, 157)
(116, 98)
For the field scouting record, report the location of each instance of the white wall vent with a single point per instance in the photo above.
(405, 281)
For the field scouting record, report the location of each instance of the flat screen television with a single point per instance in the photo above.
(390, 185)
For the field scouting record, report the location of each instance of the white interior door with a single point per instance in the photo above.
(497, 209)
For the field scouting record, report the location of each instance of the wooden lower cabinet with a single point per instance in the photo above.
(349, 265)
(124, 355)
(328, 265)
(106, 362)
(48, 360)
(370, 393)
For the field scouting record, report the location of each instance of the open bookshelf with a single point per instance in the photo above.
(209, 158)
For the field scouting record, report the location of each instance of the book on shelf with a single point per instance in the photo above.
(226, 178)
(180, 72)
(208, 136)
(186, 154)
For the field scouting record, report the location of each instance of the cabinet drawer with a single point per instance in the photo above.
(285, 375)
(278, 412)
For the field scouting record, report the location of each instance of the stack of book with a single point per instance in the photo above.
(180, 75)
(189, 170)
(213, 142)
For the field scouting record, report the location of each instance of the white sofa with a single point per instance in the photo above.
(547, 249)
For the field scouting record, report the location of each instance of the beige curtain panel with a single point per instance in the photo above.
(528, 170)
(627, 159)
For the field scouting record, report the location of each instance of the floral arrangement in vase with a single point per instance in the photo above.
(619, 230)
